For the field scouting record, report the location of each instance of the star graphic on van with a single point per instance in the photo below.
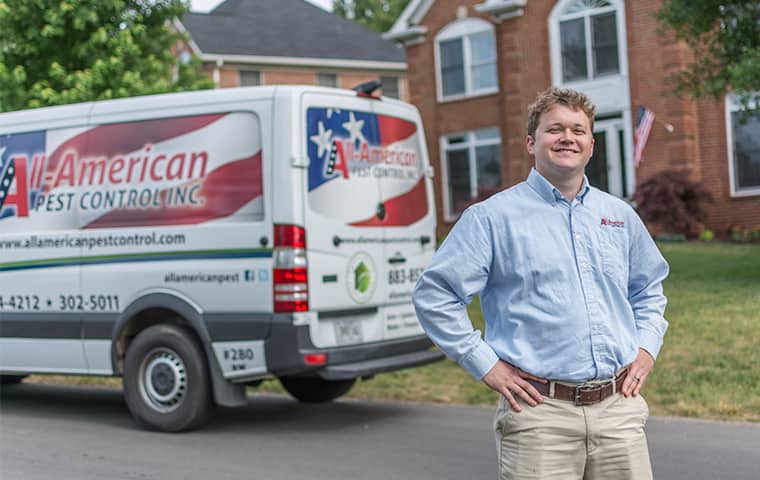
(323, 139)
(354, 128)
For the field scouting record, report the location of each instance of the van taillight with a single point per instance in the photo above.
(291, 287)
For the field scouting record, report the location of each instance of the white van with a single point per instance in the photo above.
(194, 243)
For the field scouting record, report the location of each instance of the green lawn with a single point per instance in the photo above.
(709, 366)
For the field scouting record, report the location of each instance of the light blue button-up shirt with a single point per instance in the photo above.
(569, 291)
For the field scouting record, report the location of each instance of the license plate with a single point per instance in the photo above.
(348, 331)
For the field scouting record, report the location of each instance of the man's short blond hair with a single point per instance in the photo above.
(554, 96)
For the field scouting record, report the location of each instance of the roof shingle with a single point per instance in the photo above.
(286, 28)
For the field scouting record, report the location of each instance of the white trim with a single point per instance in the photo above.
(502, 9)
(411, 36)
(630, 166)
(407, 24)
(744, 192)
(464, 29)
(216, 75)
(306, 62)
(181, 27)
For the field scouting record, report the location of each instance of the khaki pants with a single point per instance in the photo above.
(556, 439)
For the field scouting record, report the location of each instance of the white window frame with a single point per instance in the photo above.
(558, 15)
(324, 75)
(470, 145)
(240, 76)
(464, 29)
(731, 107)
(396, 80)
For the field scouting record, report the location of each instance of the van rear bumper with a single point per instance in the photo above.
(287, 345)
(368, 368)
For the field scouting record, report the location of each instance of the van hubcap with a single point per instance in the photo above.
(163, 380)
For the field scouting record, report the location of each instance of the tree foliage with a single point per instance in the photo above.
(376, 15)
(64, 51)
(725, 36)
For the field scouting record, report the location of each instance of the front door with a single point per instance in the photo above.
(606, 170)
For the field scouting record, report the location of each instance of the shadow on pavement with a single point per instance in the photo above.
(264, 413)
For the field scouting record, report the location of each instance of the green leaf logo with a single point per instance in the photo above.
(361, 277)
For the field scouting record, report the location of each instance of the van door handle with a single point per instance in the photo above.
(396, 259)
(381, 211)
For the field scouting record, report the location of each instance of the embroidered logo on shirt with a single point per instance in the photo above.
(613, 223)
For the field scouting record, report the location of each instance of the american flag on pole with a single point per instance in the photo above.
(644, 122)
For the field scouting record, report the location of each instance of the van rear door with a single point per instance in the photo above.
(406, 215)
(367, 208)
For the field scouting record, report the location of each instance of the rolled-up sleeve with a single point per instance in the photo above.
(458, 272)
(647, 270)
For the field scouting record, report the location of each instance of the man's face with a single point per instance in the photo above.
(563, 143)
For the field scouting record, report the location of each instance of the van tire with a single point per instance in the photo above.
(315, 389)
(11, 379)
(166, 380)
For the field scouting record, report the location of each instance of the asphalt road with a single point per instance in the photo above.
(61, 433)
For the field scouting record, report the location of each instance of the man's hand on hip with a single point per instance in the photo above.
(637, 373)
(510, 382)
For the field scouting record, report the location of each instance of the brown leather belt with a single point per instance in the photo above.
(587, 393)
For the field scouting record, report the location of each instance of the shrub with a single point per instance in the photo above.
(706, 235)
(673, 202)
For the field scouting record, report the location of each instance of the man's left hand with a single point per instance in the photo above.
(637, 373)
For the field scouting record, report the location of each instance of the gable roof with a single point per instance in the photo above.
(285, 28)
(407, 28)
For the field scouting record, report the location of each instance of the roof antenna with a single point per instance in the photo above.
(370, 89)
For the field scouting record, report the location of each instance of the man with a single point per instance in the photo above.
(570, 284)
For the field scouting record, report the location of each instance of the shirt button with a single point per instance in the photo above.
(577, 237)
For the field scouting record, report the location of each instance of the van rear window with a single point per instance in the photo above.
(359, 161)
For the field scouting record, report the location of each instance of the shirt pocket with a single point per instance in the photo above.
(614, 252)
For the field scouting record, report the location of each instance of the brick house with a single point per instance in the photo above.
(475, 66)
(266, 42)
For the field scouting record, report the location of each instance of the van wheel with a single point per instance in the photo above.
(11, 379)
(315, 389)
(166, 381)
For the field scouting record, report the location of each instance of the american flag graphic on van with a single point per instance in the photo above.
(359, 161)
(173, 171)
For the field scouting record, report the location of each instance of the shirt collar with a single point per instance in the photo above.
(549, 192)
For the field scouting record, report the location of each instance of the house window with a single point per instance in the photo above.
(588, 39)
(390, 86)
(743, 146)
(250, 78)
(471, 167)
(327, 80)
(466, 57)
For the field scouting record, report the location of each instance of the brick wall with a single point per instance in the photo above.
(697, 144)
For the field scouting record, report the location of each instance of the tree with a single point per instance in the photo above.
(725, 36)
(55, 52)
(376, 15)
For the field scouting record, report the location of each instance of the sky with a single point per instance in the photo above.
(207, 5)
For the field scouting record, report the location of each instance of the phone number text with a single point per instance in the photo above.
(94, 303)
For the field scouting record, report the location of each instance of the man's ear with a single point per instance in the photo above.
(530, 144)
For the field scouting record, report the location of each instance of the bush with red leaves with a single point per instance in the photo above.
(673, 202)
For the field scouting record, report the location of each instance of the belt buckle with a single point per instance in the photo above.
(585, 387)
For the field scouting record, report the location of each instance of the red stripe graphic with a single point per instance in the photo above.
(394, 129)
(402, 210)
(121, 138)
(224, 191)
